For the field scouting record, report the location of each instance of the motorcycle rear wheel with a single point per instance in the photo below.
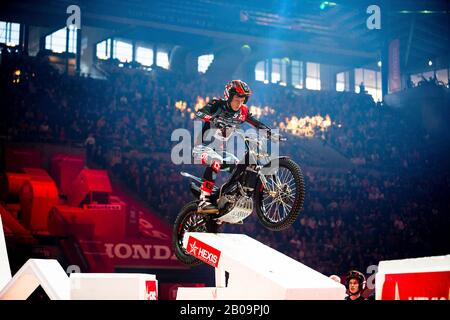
(188, 220)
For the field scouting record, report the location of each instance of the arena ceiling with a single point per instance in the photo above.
(329, 30)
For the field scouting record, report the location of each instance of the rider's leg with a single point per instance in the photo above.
(209, 176)
(211, 159)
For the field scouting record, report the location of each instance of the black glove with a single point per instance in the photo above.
(219, 123)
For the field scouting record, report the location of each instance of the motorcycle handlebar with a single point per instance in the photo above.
(223, 125)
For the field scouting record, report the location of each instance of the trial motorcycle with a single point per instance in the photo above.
(274, 188)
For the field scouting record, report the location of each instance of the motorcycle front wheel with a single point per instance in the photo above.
(281, 201)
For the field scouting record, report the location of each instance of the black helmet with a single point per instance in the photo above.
(354, 274)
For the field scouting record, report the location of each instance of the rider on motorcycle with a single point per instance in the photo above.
(216, 115)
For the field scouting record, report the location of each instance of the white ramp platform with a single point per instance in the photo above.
(49, 274)
(113, 286)
(256, 271)
(5, 270)
(426, 278)
(45, 272)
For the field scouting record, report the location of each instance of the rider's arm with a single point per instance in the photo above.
(207, 112)
(256, 123)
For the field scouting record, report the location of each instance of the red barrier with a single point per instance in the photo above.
(70, 223)
(90, 186)
(14, 228)
(83, 223)
(37, 198)
(17, 158)
(65, 168)
(12, 183)
(37, 174)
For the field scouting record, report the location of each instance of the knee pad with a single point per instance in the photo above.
(216, 166)
(207, 186)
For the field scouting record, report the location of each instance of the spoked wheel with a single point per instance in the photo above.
(280, 202)
(188, 220)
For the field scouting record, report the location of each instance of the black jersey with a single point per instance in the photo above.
(219, 109)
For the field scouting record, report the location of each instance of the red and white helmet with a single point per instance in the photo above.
(237, 87)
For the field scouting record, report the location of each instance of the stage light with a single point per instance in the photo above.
(430, 63)
(379, 63)
(326, 4)
(423, 11)
(246, 49)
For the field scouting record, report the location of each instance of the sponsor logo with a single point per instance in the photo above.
(204, 157)
(104, 206)
(151, 291)
(417, 286)
(138, 251)
(203, 251)
(147, 229)
(193, 248)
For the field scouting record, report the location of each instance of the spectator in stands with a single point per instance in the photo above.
(89, 143)
(406, 209)
(335, 278)
(362, 88)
